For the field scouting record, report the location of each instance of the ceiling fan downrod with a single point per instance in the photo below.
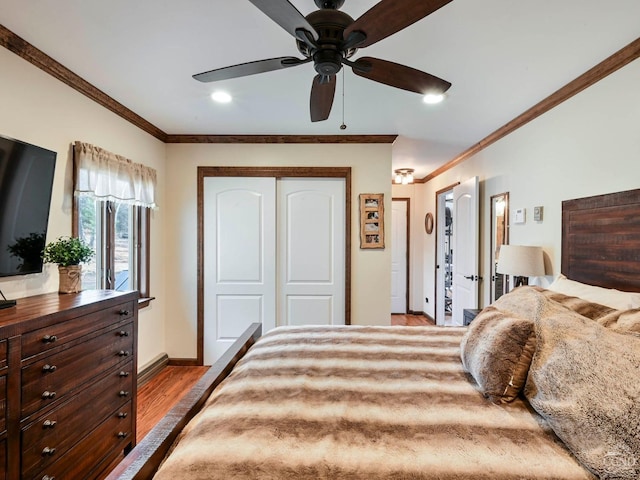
(329, 4)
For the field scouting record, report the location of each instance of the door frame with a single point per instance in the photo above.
(277, 172)
(407, 200)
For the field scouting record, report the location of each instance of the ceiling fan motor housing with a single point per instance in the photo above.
(328, 55)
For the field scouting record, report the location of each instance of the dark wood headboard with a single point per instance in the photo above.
(601, 240)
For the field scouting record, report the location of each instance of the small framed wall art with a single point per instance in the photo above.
(371, 220)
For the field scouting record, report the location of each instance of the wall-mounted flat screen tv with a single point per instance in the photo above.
(26, 182)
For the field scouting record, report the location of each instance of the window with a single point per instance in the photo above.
(119, 234)
(112, 210)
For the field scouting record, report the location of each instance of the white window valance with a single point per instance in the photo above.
(107, 176)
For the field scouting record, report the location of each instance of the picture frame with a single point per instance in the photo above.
(371, 220)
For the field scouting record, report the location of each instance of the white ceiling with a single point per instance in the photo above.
(502, 57)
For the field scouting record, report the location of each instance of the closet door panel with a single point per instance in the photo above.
(311, 260)
(239, 260)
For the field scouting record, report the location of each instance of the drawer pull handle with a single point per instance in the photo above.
(123, 312)
(49, 368)
(122, 333)
(49, 424)
(49, 338)
(123, 393)
(123, 353)
(122, 415)
(124, 374)
(48, 395)
(48, 451)
(47, 477)
(122, 434)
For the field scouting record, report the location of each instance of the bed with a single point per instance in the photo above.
(543, 384)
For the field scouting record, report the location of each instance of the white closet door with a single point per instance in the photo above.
(239, 260)
(399, 256)
(311, 251)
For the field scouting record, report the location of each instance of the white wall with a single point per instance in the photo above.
(38, 109)
(588, 145)
(370, 269)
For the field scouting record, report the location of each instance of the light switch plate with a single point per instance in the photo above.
(537, 213)
(520, 215)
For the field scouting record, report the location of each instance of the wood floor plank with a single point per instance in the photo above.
(162, 392)
(410, 320)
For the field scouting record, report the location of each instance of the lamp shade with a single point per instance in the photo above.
(521, 260)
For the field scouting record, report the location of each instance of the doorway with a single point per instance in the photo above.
(444, 256)
(457, 251)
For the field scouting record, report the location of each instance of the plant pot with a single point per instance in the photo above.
(70, 279)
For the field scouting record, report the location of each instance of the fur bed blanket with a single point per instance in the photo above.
(363, 403)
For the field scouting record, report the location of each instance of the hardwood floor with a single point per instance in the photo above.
(410, 320)
(162, 392)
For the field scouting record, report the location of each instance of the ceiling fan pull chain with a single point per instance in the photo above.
(343, 126)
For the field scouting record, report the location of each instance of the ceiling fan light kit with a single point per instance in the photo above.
(329, 38)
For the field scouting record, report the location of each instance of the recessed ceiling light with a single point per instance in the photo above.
(432, 98)
(220, 97)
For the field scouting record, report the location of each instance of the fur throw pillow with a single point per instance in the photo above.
(497, 350)
(585, 381)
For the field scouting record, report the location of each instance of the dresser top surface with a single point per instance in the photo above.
(56, 305)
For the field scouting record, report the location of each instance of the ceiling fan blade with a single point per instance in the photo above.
(285, 15)
(399, 76)
(322, 93)
(390, 16)
(249, 68)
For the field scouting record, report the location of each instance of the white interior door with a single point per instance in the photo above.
(399, 256)
(311, 251)
(466, 242)
(239, 260)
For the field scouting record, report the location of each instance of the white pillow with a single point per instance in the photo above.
(604, 296)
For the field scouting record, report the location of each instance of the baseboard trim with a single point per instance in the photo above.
(184, 362)
(152, 369)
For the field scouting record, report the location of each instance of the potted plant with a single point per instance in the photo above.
(68, 253)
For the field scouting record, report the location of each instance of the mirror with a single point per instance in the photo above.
(499, 237)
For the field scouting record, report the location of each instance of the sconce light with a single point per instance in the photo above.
(404, 176)
(522, 262)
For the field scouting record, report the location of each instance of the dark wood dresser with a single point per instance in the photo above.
(67, 384)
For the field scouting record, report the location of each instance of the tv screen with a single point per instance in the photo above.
(26, 181)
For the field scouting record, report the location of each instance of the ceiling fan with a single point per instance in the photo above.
(329, 38)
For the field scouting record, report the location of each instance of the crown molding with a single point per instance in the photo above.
(281, 138)
(44, 62)
(611, 64)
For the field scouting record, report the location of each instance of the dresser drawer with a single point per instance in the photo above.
(104, 442)
(3, 354)
(48, 380)
(3, 460)
(47, 338)
(51, 435)
(3, 403)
